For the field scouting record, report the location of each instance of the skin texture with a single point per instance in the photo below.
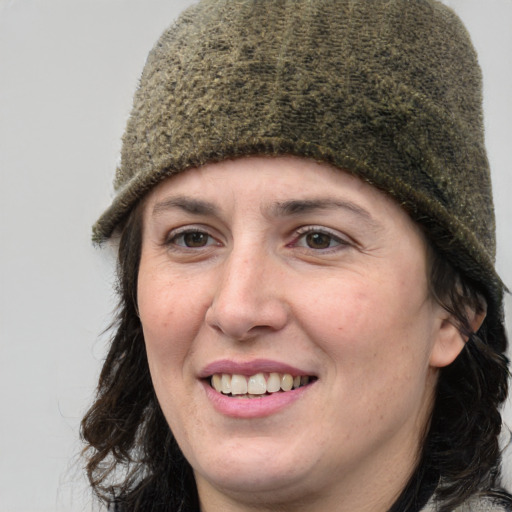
(333, 284)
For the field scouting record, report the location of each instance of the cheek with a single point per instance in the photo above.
(382, 328)
(171, 313)
(379, 344)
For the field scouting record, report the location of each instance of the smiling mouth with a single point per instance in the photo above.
(258, 385)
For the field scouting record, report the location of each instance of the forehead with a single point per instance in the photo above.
(272, 192)
(273, 183)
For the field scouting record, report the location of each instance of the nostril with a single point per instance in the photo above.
(244, 321)
(245, 302)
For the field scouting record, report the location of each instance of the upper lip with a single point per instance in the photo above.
(249, 368)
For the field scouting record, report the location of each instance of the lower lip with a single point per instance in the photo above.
(253, 407)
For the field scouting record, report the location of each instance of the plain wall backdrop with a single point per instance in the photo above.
(68, 70)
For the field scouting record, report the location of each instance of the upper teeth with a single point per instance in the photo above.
(257, 384)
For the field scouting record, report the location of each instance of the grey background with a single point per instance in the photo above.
(68, 69)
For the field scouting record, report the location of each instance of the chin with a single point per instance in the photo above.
(257, 483)
(255, 467)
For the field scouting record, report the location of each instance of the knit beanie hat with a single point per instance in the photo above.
(389, 90)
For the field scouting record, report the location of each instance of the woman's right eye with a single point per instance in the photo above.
(191, 239)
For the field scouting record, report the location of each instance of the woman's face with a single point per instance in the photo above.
(280, 272)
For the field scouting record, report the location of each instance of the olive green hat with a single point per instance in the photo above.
(389, 90)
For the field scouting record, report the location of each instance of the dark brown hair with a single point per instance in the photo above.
(134, 463)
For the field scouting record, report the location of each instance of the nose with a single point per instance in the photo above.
(248, 299)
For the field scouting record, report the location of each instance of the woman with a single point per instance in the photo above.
(310, 317)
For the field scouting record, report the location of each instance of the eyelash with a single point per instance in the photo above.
(333, 237)
(175, 235)
(301, 235)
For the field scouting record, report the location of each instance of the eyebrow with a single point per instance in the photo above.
(187, 204)
(290, 208)
(301, 206)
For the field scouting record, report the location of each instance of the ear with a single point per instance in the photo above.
(449, 341)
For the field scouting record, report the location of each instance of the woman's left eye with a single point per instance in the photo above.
(319, 240)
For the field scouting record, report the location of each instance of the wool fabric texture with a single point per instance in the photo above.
(389, 90)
